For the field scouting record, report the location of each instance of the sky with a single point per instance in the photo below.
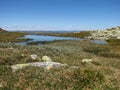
(59, 14)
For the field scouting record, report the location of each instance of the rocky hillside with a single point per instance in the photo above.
(111, 33)
(2, 30)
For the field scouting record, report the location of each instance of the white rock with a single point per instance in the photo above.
(1, 85)
(33, 56)
(22, 55)
(46, 59)
(46, 65)
(74, 67)
(11, 48)
(118, 37)
(18, 66)
(87, 60)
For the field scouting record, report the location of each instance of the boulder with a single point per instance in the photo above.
(34, 56)
(46, 59)
(87, 60)
(118, 37)
(46, 65)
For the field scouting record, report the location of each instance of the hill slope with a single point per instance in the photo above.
(6, 36)
(2, 30)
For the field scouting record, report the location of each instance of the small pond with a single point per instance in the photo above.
(98, 41)
(40, 38)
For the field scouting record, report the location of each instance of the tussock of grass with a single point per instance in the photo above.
(105, 51)
(62, 78)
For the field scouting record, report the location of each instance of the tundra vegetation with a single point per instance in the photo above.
(6, 36)
(101, 73)
(81, 34)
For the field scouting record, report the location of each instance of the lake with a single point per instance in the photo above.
(38, 38)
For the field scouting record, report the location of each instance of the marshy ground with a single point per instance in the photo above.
(101, 74)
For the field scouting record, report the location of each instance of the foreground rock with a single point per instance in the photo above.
(46, 65)
(46, 59)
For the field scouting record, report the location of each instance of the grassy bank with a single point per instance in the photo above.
(11, 37)
(43, 42)
(81, 34)
(101, 74)
(115, 42)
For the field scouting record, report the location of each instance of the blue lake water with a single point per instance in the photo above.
(98, 41)
(36, 38)
(48, 38)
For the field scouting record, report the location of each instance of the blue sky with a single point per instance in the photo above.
(59, 14)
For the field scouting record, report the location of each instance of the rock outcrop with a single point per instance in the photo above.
(105, 34)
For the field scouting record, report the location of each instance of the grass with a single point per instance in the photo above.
(102, 74)
(62, 78)
(11, 37)
(114, 42)
(43, 42)
(81, 34)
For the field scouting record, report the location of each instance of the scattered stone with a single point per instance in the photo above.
(46, 59)
(1, 85)
(11, 48)
(22, 55)
(34, 56)
(74, 67)
(87, 60)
